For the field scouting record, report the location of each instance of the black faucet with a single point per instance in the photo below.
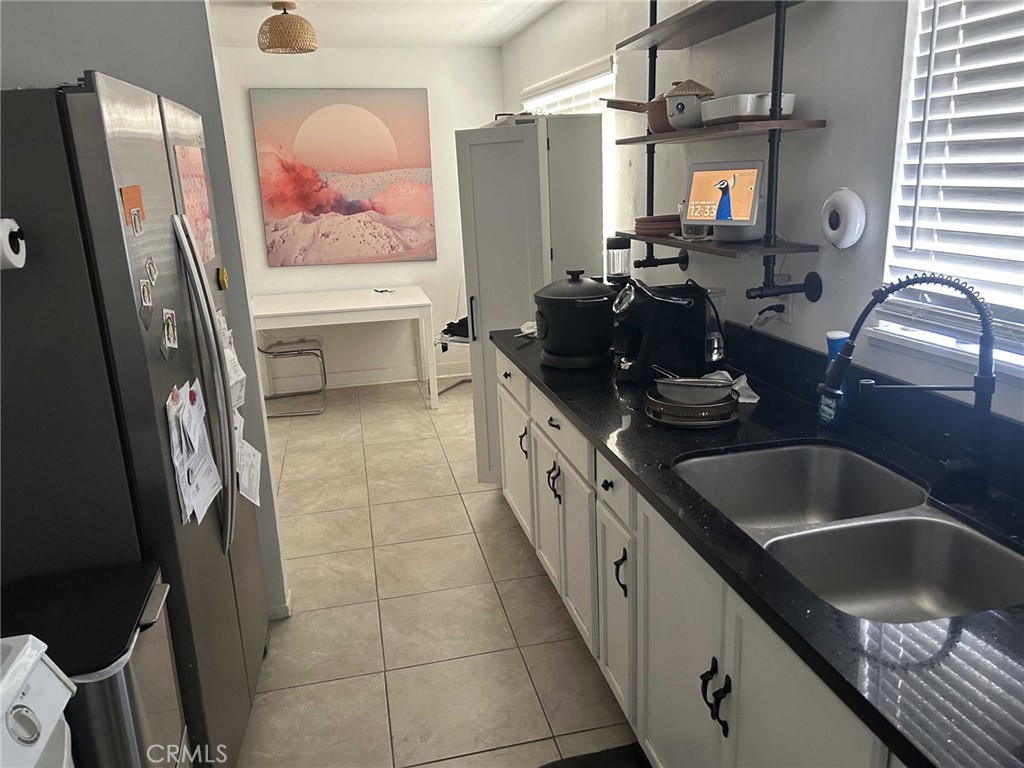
(971, 472)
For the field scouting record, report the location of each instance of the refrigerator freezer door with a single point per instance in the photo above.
(186, 153)
(120, 157)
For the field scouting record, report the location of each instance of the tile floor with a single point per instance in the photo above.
(424, 629)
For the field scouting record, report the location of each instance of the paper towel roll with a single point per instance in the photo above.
(12, 247)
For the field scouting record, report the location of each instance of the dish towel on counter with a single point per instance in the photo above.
(739, 385)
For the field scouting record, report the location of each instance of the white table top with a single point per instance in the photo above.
(355, 300)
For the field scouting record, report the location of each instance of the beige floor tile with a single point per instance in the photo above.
(394, 430)
(277, 443)
(489, 511)
(418, 519)
(320, 533)
(426, 566)
(443, 625)
(594, 741)
(278, 427)
(276, 466)
(340, 723)
(343, 395)
(465, 478)
(459, 398)
(459, 447)
(451, 708)
(322, 495)
(322, 433)
(400, 483)
(317, 646)
(509, 554)
(536, 611)
(453, 422)
(398, 409)
(323, 462)
(407, 453)
(571, 687)
(325, 581)
(383, 393)
(532, 755)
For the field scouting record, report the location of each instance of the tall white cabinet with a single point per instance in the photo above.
(530, 199)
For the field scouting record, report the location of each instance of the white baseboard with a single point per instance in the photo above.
(284, 384)
(281, 611)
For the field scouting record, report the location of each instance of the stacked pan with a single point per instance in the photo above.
(718, 413)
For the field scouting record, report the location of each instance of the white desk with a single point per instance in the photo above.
(363, 305)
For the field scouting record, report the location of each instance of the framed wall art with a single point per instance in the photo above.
(344, 174)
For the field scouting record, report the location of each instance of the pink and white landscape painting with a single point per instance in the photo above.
(344, 175)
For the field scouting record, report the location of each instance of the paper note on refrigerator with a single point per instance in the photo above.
(238, 423)
(202, 478)
(236, 379)
(196, 474)
(249, 460)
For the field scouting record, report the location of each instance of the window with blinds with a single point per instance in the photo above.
(958, 195)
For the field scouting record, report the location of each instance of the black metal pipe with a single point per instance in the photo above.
(652, 74)
(775, 135)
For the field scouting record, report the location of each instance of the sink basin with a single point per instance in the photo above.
(902, 569)
(797, 485)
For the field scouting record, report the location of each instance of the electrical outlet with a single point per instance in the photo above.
(787, 300)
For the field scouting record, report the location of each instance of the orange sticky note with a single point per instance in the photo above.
(131, 198)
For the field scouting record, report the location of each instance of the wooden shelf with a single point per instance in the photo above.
(699, 22)
(729, 250)
(723, 131)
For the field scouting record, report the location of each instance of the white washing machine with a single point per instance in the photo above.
(33, 692)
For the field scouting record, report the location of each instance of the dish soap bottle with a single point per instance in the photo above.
(831, 410)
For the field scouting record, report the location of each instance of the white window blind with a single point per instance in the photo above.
(958, 196)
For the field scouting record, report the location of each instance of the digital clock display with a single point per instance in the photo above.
(723, 195)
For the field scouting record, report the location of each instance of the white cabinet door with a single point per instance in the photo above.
(546, 506)
(515, 464)
(780, 713)
(579, 549)
(616, 563)
(680, 634)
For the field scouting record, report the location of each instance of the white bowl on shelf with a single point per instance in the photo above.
(743, 107)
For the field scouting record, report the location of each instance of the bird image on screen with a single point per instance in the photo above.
(724, 210)
(723, 195)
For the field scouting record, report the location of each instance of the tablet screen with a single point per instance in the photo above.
(720, 196)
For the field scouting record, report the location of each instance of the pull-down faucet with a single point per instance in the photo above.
(971, 472)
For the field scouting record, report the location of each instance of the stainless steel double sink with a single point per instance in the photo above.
(859, 535)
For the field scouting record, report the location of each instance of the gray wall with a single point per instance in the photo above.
(162, 45)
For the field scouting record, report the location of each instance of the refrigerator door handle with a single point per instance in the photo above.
(204, 300)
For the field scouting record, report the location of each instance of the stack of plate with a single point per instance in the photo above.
(657, 226)
(706, 416)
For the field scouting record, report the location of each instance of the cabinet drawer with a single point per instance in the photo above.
(613, 490)
(564, 435)
(512, 379)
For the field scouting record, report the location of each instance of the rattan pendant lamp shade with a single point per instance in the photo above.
(286, 33)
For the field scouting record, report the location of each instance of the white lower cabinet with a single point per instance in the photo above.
(546, 503)
(717, 685)
(680, 639)
(514, 425)
(616, 584)
(579, 545)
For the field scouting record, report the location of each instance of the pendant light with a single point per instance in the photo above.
(286, 33)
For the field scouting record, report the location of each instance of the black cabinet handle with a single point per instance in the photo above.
(717, 696)
(553, 424)
(506, 375)
(525, 429)
(705, 680)
(554, 487)
(472, 321)
(618, 564)
(607, 484)
(554, 466)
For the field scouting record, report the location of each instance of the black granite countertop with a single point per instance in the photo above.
(947, 692)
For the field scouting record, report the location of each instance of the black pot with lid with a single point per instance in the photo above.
(574, 321)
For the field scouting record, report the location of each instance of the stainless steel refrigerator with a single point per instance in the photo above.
(92, 174)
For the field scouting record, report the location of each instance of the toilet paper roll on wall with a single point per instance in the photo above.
(12, 245)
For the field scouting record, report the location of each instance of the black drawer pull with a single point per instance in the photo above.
(607, 484)
(705, 680)
(618, 564)
(554, 466)
(553, 424)
(554, 487)
(506, 375)
(717, 696)
(521, 448)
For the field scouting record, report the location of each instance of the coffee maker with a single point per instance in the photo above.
(675, 327)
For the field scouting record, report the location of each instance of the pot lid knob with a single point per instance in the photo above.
(574, 274)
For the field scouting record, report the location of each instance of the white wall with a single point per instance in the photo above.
(844, 60)
(463, 91)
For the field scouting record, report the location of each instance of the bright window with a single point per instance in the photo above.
(958, 192)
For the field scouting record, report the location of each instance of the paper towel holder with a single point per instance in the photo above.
(13, 247)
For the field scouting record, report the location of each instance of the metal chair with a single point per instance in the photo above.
(291, 348)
